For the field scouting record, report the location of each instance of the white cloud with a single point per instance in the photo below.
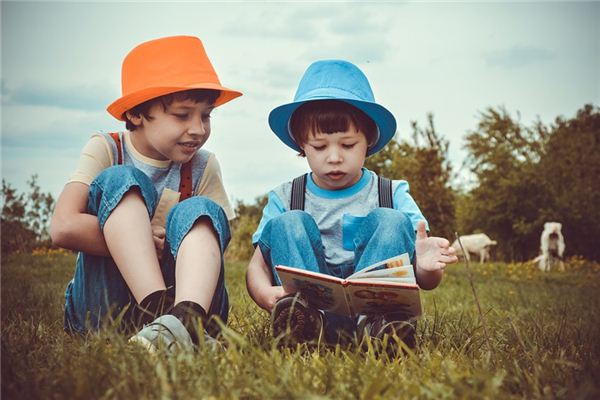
(90, 96)
(519, 56)
(61, 67)
(28, 124)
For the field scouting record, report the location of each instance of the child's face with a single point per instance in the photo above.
(173, 134)
(336, 159)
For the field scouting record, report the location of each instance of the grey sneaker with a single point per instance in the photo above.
(211, 343)
(202, 339)
(293, 320)
(165, 332)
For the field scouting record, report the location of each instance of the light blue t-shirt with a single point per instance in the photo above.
(338, 213)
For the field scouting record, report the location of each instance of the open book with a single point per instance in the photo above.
(387, 286)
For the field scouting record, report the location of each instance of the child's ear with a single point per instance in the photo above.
(134, 119)
(372, 141)
(302, 153)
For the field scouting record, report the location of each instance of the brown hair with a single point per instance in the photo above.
(197, 95)
(329, 116)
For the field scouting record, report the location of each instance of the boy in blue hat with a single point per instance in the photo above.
(340, 217)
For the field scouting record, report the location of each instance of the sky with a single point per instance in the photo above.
(61, 65)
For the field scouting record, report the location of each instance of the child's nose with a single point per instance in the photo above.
(334, 156)
(197, 127)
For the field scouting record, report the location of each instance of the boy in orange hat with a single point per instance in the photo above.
(146, 208)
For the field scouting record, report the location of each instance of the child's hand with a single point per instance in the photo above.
(158, 234)
(270, 297)
(433, 253)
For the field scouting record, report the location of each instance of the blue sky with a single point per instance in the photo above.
(61, 68)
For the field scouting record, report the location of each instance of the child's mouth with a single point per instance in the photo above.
(189, 147)
(336, 175)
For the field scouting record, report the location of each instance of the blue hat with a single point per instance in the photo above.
(334, 80)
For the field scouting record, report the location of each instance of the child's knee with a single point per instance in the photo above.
(196, 211)
(291, 220)
(294, 225)
(389, 227)
(194, 208)
(389, 217)
(119, 175)
(113, 184)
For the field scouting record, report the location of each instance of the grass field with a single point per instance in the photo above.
(543, 342)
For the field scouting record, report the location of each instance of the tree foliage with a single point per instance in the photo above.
(425, 165)
(504, 205)
(570, 168)
(25, 217)
(530, 175)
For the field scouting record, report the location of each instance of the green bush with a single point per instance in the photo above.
(25, 218)
(248, 216)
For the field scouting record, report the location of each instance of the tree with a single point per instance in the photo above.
(39, 210)
(505, 205)
(426, 167)
(530, 175)
(570, 168)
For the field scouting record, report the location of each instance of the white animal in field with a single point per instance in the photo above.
(552, 247)
(477, 243)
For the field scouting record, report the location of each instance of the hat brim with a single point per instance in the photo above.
(386, 123)
(118, 108)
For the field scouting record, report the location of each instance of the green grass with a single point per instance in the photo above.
(544, 342)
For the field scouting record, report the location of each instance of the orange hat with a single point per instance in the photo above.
(165, 66)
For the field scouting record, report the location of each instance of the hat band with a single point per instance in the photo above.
(289, 129)
(334, 93)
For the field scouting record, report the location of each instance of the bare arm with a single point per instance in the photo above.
(258, 282)
(71, 227)
(428, 280)
(433, 254)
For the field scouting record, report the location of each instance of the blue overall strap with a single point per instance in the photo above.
(298, 192)
(384, 187)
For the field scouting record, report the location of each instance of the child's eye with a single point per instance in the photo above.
(206, 117)
(348, 146)
(318, 148)
(181, 116)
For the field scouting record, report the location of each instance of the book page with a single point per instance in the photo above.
(404, 274)
(377, 298)
(397, 261)
(322, 291)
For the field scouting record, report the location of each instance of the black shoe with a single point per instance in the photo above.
(293, 320)
(386, 329)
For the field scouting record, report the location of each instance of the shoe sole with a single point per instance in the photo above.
(145, 343)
